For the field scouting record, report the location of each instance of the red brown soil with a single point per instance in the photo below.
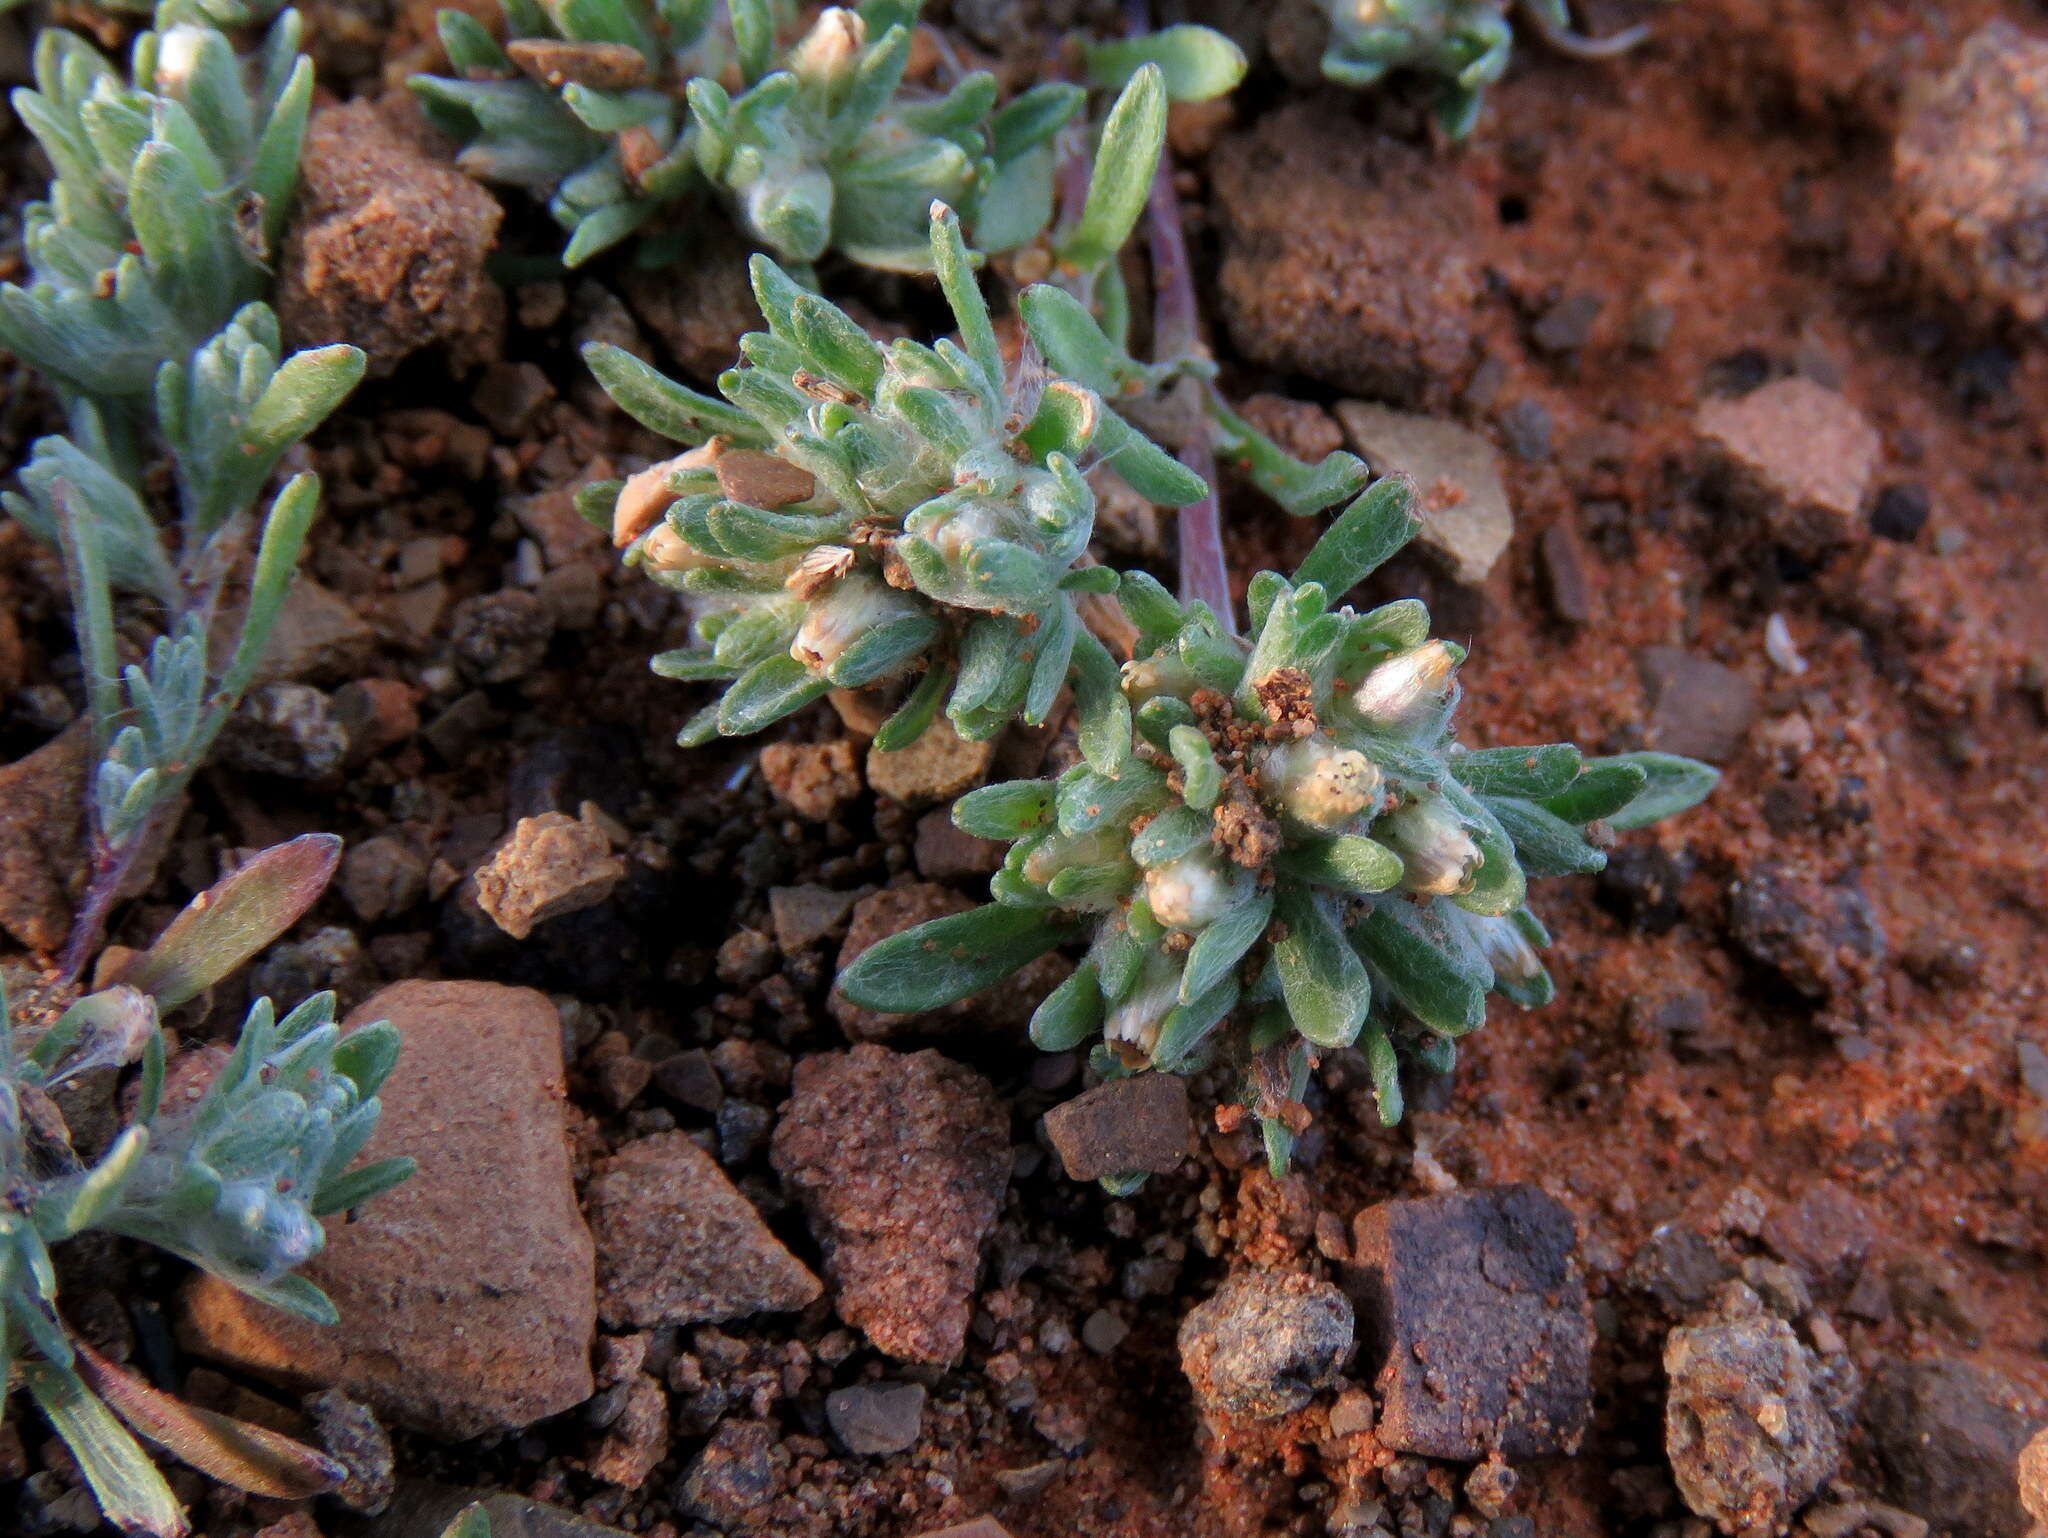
(1728, 184)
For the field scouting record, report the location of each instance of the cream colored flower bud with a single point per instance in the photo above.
(1190, 893)
(177, 56)
(1439, 857)
(1154, 676)
(1065, 850)
(1318, 784)
(830, 49)
(1143, 1012)
(666, 550)
(856, 605)
(1402, 691)
(1507, 948)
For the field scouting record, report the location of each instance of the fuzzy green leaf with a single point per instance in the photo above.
(1424, 965)
(945, 960)
(1321, 978)
(1007, 810)
(1124, 162)
(1529, 772)
(1671, 785)
(1603, 788)
(1198, 63)
(235, 918)
(1362, 537)
(1070, 1014)
(1223, 944)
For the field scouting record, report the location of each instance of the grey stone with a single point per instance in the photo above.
(1948, 1436)
(1680, 1268)
(1102, 1332)
(876, 1419)
(285, 729)
(1749, 1438)
(1266, 1344)
(678, 1244)
(804, 915)
(1460, 497)
(1698, 707)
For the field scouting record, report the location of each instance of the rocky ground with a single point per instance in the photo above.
(1719, 369)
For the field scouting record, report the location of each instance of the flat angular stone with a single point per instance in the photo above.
(1474, 1319)
(467, 1294)
(1139, 1123)
(42, 838)
(1798, 456)
(1698, 707)
(677, 1244)
(1459, 494)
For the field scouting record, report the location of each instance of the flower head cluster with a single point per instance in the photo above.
(618, 109)
(854, 515)
(1297, 842)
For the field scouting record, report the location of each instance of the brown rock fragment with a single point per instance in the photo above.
(1971, 175)
(936, 767)
(1748, 1435)
(677, 1244)
(1949, 1436)
(638, 1440)
(386, 248)
(42, 838)
(552, 864)
(468, 1294)
(1698, 707)
(812, 779)
(1797, 456)
(319, 638)
(944, 853)
(900, 1161)
(1475, 1321)
(1124, 1125)
(1346, 257)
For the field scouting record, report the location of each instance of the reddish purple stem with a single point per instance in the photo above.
(1176, 333)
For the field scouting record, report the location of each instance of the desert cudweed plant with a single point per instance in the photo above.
(235, 1181)
(853, 515)
(1465, 43)
(619, 109)
(149, 262)
(1297, 842)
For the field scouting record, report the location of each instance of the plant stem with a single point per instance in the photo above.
(1176, 334)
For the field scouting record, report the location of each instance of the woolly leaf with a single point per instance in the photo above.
(945, 960)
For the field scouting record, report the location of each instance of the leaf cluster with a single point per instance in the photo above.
(149, 262)
(234, 1180)
(1296, 854)
(925, 525)
(620, 110)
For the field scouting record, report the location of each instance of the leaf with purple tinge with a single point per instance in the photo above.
(231, 1451)
(234, 919)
